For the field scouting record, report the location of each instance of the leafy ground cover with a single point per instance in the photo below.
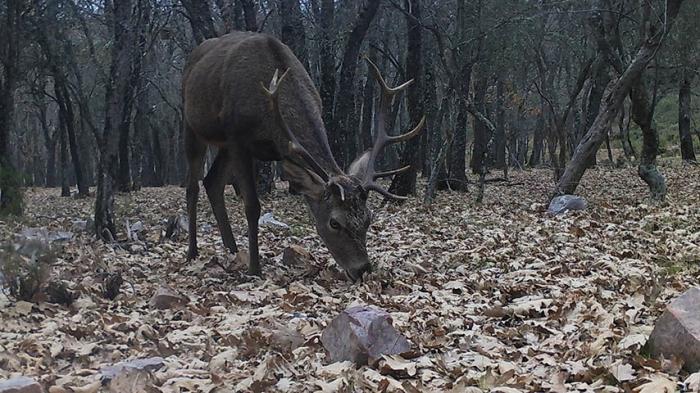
(499, 297)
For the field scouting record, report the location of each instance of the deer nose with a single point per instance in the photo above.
(356, 274)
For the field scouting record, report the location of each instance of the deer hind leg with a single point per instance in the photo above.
(195, 151)
(245, 178)
(214, 184)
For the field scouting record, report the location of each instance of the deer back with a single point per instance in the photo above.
(224, 102)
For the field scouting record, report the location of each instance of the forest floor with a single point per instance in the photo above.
(498, 296)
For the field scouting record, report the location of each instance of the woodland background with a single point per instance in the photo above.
(522, 97)
(506, 83)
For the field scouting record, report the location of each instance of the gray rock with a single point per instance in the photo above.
(269, 220)
(295, 256)
(677, 331)
(165, 298)
(361, 334)
(564, 203)
(45, 235)
(20, 385)
(146, 365)
(83, 225)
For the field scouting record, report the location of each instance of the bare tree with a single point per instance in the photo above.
(654, 32)
(12, 14)
(344, 120)
(405, 183)
(118, 104)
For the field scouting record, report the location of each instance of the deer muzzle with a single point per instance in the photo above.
(356, 273)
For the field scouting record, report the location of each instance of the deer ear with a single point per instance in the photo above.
(307, 182)
(358, 168)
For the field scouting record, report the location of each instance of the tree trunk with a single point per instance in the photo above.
(368, 104)
(341, 133)
(327, 55)
(200, 19)
(250, 14)
(431, 112)
(499, 145)
(69, 118)
(137, 33)
(575, 169)
(293, 33)
(10, 185)
(607, 145)
(49, 137)
(643, 115)
(481, 132)
(686, 138)
(600, 79)
(118, 103)
(625, 134)
(538, 138)
(405, 183)
(457, 176)
(65, 182)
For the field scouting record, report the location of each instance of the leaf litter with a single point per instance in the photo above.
(499, 297)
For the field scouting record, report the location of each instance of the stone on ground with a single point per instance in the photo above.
(132, 367)
(269, 220)
(20, 385)
(361, 334)
(677, 331)
(295, 255)
(564, 203)
(166, 298)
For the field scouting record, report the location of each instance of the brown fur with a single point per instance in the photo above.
(225, 106)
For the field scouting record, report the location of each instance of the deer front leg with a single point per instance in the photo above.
(245, 177)
(214, 184)
(194, 151)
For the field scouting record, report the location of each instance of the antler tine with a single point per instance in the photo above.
(382, 138)
(376, 187)
(294, 146)
(391, 172)
(408, 135)
(385, 87)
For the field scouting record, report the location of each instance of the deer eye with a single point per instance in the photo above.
(334, 224)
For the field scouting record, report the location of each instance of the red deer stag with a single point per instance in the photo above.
(226, 106)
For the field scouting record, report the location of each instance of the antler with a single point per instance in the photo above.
(382, 138)
(295, 148)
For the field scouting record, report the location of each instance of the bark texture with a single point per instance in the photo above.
(405, 183)
(610, 108)
(685, 136)
(344, 119)
(118, 102)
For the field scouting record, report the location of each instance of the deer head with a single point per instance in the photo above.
(338, 201)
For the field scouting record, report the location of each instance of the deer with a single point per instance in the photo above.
(229, 105)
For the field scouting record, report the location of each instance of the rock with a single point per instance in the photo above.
(83, 225)
(295, 255)
(165, 298)
(269, 220)
(177, 225)
(361, 334)
(20, 385)
(564, 203)
(223, 361)
(45, 235)
(677, 331)
(133, 230)
(146, 366)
